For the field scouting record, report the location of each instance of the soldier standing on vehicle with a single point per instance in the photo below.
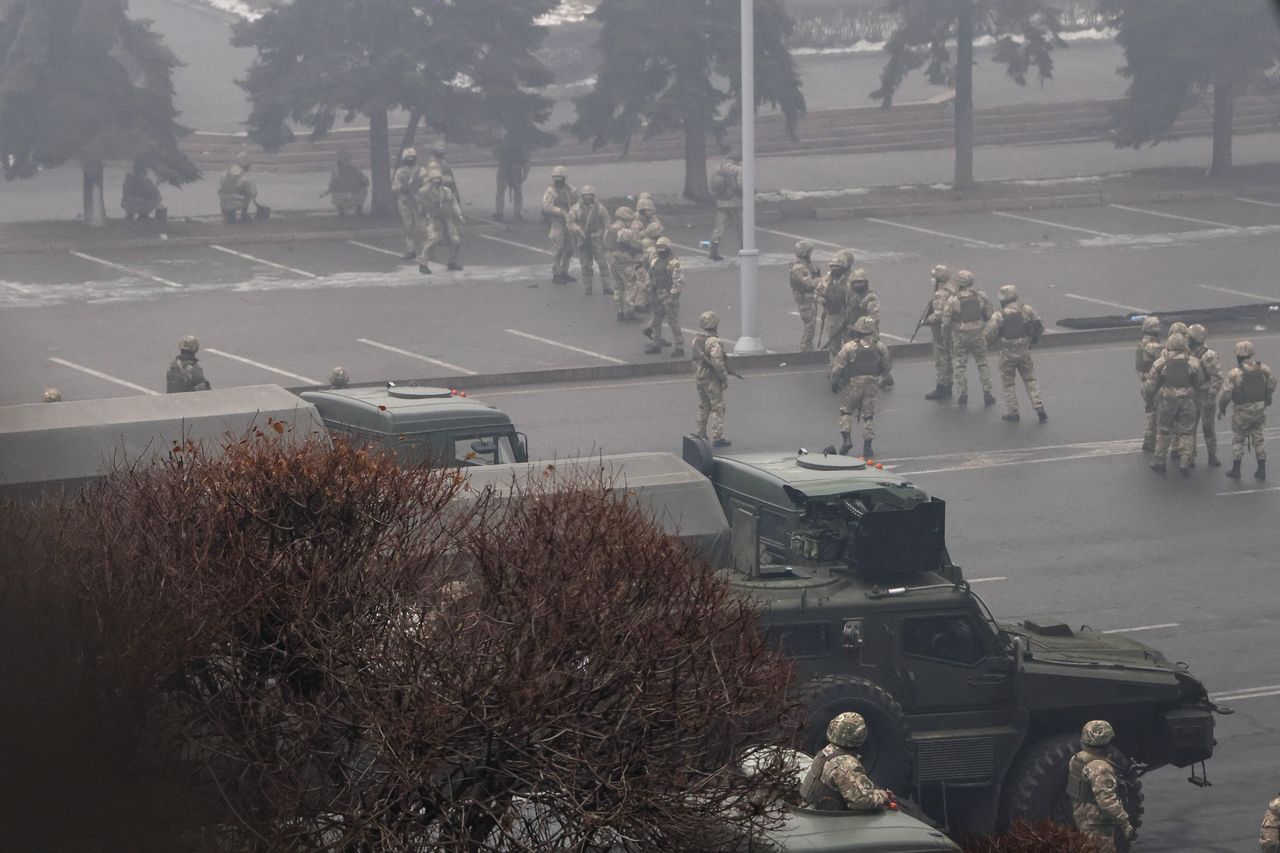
(1174, 383)
(1269, 836)
(857, 371)
(1149, 349)
(833, 296)
(836, 780)
(965, 319)
(666, 283)
(348, 186)
(1017, 327)
(237, 190)
(711, 373)
(588, 220)
(441, 217)
(1250, 386)
(726, 186)
(1212, 366)
(437, 161)
(625, 256)
(805, 276)
(405, 183)
(559, 198)
(1094, 789)
(942, 367)
(140, 196)
(185, 372)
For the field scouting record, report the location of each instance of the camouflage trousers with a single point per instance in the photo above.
(626, 280)
(808, 311)
(838, 332)
(1015, 361)
(563, 246)
(666, 309)
(726, 217)
(1176, 425)
(860, 394)
(710, 407)
(963, 345)
(1204, 414)
(412, 225)
(942, 365)
(345, 201)
(437, 230)
(139, 206)
(1149, 425)
(591, 253)
(1247, 421)
(1107, 836)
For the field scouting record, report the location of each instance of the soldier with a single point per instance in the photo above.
(588, 220)
(865, 302)
(338, 378)
(513, 157)
(625, 256)
(1269, 836)
(646, 229)
(726, 186)
(348, 186)
(804, 284)
(1017, 327)
(1212, 366)
(140, 195)
(942, 291)
(836, 781)
(711, 372)
(185, 372)
(441, 218)
(1149, 349)
(1178, 328)
(237, 190)
(857, 370)
(1250, 386)
(965, 318)
(1174, 382)
(666, 282)
(1093, 788)
(408, 179)
(438, 162)
(51, 395)
(556, 203)
(833, 296)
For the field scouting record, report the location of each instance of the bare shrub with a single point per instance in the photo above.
(1043, 837)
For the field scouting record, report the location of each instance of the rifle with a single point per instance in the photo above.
(928, 309)
(822, 327)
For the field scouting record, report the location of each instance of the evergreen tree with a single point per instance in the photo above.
(1025, 33)
(1175, 50)
(676, 65)
(81, 81)
(460, 66)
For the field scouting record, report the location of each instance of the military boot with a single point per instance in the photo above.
(988, 399)
(1011, 417)
(1234, 472)
(963, 399)
(1261, 473)
(1214, 461)
(606, 290)
(1185, 470)
(678, 352)
(714, 254)
(866, 448)
(1044, 416)
(940, 392)
(652, 350)
(1158, 466)
(846, 444)
(1148, 445)
(424, 269)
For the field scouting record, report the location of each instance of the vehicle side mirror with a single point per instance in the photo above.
(522, 447)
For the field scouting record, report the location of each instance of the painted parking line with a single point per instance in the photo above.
(1108, 303)
(613, 386)
(569, 347)
(377, 249)
(104, 376)
(1164, 215)
(409, 354)
(262, 366)
(1142, 628)
(892, 337)
(1248, 491)
(1052, 224)
(1246, 693)
(1257, 201)
(264, 261)
(1244, 293)
(815, 241)
(507, 242)
(125, 269)
(985, 580)
(969, 240)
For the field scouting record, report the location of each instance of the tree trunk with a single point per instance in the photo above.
(95, 209)
(382, 203)
(964, 95)
(411, 131)
(695, 161)
(1224, 100)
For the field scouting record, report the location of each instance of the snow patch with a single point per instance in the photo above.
(568, 12)
(861, 46)
(1078, 179)
(865, 46)
(235, 7)
(801, 195)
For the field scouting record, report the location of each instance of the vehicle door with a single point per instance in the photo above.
(951, 661)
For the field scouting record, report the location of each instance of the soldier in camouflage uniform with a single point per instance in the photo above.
(711, 372)
(646, 228)
(405, 183)
(857, 370)
(726, 186)
(1250, 386)
(348, 186)
(588, 220)
(51, 395)
(185, 372)
(1174, 383)
(1094, 789)
(625, 255)
(441, 218)
(833, 295)
(666, 283)
(140, 196)
(1269, 835)
(965, 318)
(1017, 327)
(836, 781)
(942, 292)
(557, 201)
(237, 190)
(1149, 349)
(1205, 403)
(438, 162)
(865, 302)
(804, 283)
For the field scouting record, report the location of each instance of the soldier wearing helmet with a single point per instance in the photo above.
(1250, 387)
(446, 171)
(860, 366)
(1207, 399)
(1174, 383)
(557, 201)
(237, 190)
(1094, 789)
(51, 395)
(865, 302)
(1269, 835)
(836, 780)
(726, 186)
(1017, 326)
(185, 372)
(666, 283)
(804, 284)
(626, 252)
(943, 290)
(588, 220)
(965, 318)
(338, 378)
(711, 374)
(408, 179)
(1149, 349)
(139, 196)
(348, 186)
(1177, 328)
(440, 216)
(834, 294)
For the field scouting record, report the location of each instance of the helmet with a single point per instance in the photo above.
(242, 159)
(709, 320)
(803, 248)
(940, 273)
(964, 278)
(435, 175)
(344, 156)
(1151, 325)
(1008, 293)
(559, 172)
(338, 378)
(1197, 333)
(588, 190)
(1177, 342)
(626, 214)
(52, 395)
(409, 154)
(848, 730)
(663, 244)
(189, 344)
(864, 326)
(1178, 328)
(1097, 733)
(438, 149)
(844, 259)
(645, 205)
(859, 275)
(1245, 349)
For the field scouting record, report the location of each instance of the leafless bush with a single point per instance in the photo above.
(1044, 837)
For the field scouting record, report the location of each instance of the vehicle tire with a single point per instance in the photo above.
(885, 754)
(1037, 785)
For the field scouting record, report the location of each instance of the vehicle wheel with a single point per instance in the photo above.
(885, 754)
(1037, 786)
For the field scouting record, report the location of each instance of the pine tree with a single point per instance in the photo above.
(460, 66)
(80, 80)
(1175, 50)
(1025, 32)
(675, 65)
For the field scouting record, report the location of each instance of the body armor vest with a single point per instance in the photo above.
(816, 793)
(1252, 387)
(837, 297)
(865, 362)
(660, 273)
(1145, 353)
(970, 307)
(1177, 372)
(1014, 326)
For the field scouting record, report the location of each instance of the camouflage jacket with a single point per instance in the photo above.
(804, 280)
(1149, 349)
(1269, 836)
(942, 293)
(659, 282)
(845, 774)
(446, 172)
(590, 220)
(853, 360)
(708, 360)
(439, 202)
(556, 202)
(185, 374)
(951, 312)
(1235, 382)
(1094, 789)
(628, 240)
(726, 185)
(407, 180)
(1005, 322)
(1158, 381)
(834, 295)
(864, 304)
(1212, 367)
(651, 230)
(237, 184)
